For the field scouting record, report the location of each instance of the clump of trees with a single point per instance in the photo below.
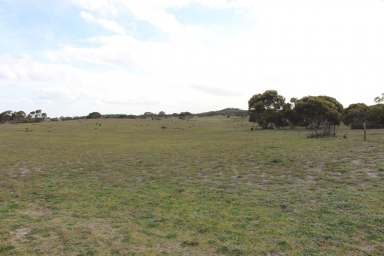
(162, 114)
(21, 117)
(320, 113)
(267, 109)
(185, 115)
(357, 114)
(146, 115)
(270, 110)
(380, 99)
(94, 115)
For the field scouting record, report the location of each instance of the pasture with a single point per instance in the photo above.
(206, 186)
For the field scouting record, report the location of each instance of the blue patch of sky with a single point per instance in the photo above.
(196, 14)
(140, 29)
(27, 26)
(145, 31)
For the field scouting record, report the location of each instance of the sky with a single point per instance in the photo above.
(72, 57)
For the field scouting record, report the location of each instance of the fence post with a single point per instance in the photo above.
(365, 130)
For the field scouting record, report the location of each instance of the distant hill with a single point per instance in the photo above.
(182, 115)
(224, 112)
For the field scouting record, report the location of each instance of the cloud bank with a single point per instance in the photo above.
(130, 56)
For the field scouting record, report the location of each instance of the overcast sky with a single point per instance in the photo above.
(71, 57)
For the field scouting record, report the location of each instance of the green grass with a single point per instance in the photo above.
(207, 186)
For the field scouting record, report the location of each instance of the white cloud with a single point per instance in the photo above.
(26, 69)
(298, 47)
(216, 91)
(105, 23)
(103, 7)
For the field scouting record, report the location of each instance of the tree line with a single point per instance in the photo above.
(271, 110)
(22, 117)
(146, 115)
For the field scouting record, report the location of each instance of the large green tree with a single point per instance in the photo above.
(267, 109)
(94, 115)
(380, 99)
(6, 116)
(19, 116)
(317, 111)
(375, 118)
(355, 115)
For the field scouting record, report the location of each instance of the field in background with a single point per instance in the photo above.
(207, 186)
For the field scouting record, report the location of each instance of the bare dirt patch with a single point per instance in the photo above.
(36, 211)
(20, 234)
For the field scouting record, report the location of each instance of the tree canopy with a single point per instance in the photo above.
(355, 115)
(314, 111)
(94, 115)
(375, 116)
(380, 99)
(267, 109)
(21, 116)
(270, 110)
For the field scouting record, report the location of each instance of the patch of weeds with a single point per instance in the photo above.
(309, 252)
(153, 223)
(276, 161)
(379, 221)
(6, 248)
(189, 243)
(7, 208)
(116, 253)
(88, 252)
(171, 235)
(373, 235)
(43, 232)
(283, 245)
(202, 229)
(126, 238)
(212, 242)
(233, 236)
(227, 250)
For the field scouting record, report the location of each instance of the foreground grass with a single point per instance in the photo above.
(198, 187)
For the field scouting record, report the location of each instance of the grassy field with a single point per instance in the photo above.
(207, 186)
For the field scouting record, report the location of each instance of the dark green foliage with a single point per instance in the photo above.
(185, 115)
(94, 115)
(379, 99)
(290, 114)
(332, 100)
(148, 115)
(22, 117)
(162, 114)
(355, 115)
(268, 110)
(376, 116)
(6, 116)
(269, 100)
(314, 111)
(120, 116)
